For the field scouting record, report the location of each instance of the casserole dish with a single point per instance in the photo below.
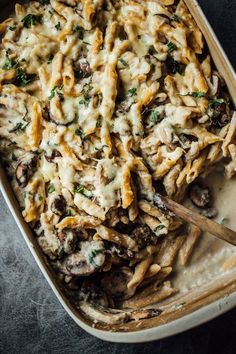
(205, 281)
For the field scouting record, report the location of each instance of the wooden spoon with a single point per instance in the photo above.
(168, 205)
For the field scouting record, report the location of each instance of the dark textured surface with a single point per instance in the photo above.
(31, 318)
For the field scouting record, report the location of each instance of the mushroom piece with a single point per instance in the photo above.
(143, 236)
(115, 283)
(85, 261)
(55, 153)
(200, 196)
(110, 316)
(89, 291)
(68, 239)
(26, 168)
(58, 205)
(83, 69)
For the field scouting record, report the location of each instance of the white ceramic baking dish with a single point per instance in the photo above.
(207, 286)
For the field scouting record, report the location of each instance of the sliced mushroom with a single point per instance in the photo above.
(54, 154)
(143, 236)
(200, 196)
(83, 69)
(85, 261)
(89, 291)
(58, 205)
(68, 239)
(112, 316)
(26, 168)
(115, 283)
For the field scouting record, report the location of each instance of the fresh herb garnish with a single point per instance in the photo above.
(80, 31)
(12, 28)
(84, 101)
(9, 63)
(19, 126)
(92, 255)
(159, 227)
(51, 188)
(155, 117)
(31, 20)
(217, 102)
(99, 122)
(142, 134)
(23, 78)
(197, 94)
(52, 94)
(132, 91)
(50, 58)
(82, 190)
(58, 26)
(123, 62)
(44, 2)
(171, 47)
(80, 133)
(175, 18)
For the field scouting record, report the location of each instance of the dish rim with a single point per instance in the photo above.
(186, 322)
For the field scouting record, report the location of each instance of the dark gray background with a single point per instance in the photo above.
(31, 318)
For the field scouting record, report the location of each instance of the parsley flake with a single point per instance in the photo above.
(51, 188)
(80, 31)
(58, 26)
(31, 20)
(132, 91)
(196, 94)
(171, 47)
(123, 62)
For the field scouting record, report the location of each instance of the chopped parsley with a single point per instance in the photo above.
(123, 62)
(51, 188)
(80, 31)
(99, 122)
(142, 134)
(19, 127)
(12, 28)
(50, 58)
(23, 78)
(84, 101)
(171, 47)
(31, 20)
(44, 2)
(52, 94)
(9, 63)
(159, 227)
(196, 94)
(92, 254)
(155, 117)
(58, 26)
(80, 133)
(132, 91)
(82, 190)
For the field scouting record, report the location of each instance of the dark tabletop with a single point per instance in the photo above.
(31, 318)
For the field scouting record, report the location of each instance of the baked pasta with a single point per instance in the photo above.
(103, 103)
